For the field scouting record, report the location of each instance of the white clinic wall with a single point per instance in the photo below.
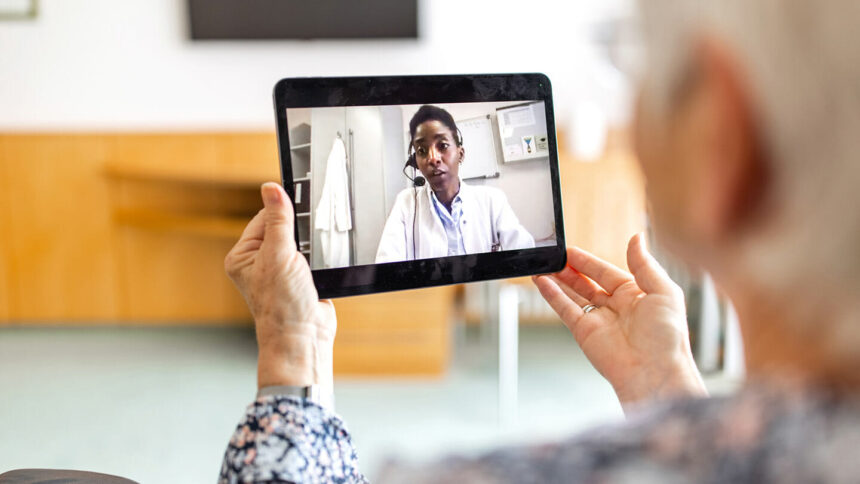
(129, 64)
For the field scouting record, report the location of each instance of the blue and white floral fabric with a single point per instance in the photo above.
(288, 439)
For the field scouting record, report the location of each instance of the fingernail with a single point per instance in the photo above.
(271, 194)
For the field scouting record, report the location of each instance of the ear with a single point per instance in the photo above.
(462, 152)
(731, 178)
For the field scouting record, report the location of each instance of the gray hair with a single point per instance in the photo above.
(801, 59)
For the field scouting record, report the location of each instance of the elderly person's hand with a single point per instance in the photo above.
(637, 338)
(295, 330)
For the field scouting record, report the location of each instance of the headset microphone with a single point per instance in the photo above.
(418, 180)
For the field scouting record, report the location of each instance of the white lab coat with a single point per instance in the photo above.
(333, 213)
(487, 219)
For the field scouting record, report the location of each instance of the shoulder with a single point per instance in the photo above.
(751, 437)
(606, 454)
(760, 434)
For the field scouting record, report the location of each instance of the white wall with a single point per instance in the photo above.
(129, 64)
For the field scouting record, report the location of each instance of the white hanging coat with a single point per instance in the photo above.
(487, 220)
(333, 213)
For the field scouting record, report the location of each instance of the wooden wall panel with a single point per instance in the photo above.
(77, 213)
(60, 258)
(5, 233)
(168, 278)
(223, 159)
(239, 148)
(126, 226)
(163, 187)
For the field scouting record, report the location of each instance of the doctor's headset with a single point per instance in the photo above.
(419, 181)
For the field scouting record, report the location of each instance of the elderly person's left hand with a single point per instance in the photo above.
(295, 330)
(637, 338)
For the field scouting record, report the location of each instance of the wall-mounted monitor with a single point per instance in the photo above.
(303, 19)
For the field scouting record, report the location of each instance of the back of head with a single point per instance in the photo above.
(801, 62)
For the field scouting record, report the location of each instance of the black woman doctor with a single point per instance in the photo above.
(445, 216)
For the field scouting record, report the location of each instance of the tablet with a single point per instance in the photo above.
(404, 182)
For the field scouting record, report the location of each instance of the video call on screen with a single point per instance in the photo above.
(483, 188)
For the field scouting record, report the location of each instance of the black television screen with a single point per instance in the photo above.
(303, 19)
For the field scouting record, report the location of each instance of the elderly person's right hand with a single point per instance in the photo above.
(637, 338)
(295, 330)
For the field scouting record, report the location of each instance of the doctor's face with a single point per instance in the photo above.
(438, 155)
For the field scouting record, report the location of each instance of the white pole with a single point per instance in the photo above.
(709, 326)
(733, 358)
(508, 349)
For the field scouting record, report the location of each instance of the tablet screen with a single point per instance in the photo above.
(378, 184)
(392, 193)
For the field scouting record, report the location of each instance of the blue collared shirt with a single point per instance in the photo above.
(451, 222)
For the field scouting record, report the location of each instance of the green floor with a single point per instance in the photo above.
(158, 405)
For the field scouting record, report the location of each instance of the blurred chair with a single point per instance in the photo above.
(53, 476)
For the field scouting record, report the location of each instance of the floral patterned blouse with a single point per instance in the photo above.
(760, 435)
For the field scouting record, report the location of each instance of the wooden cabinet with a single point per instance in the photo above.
(399, 333)
(178, 203)
(133, 229)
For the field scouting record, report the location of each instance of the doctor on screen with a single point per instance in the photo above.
(441, 215)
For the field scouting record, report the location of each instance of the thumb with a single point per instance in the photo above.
(650, 275)
(278, 218)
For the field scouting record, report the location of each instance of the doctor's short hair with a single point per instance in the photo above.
(428, 112)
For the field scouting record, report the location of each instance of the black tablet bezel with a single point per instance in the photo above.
(436, 89)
